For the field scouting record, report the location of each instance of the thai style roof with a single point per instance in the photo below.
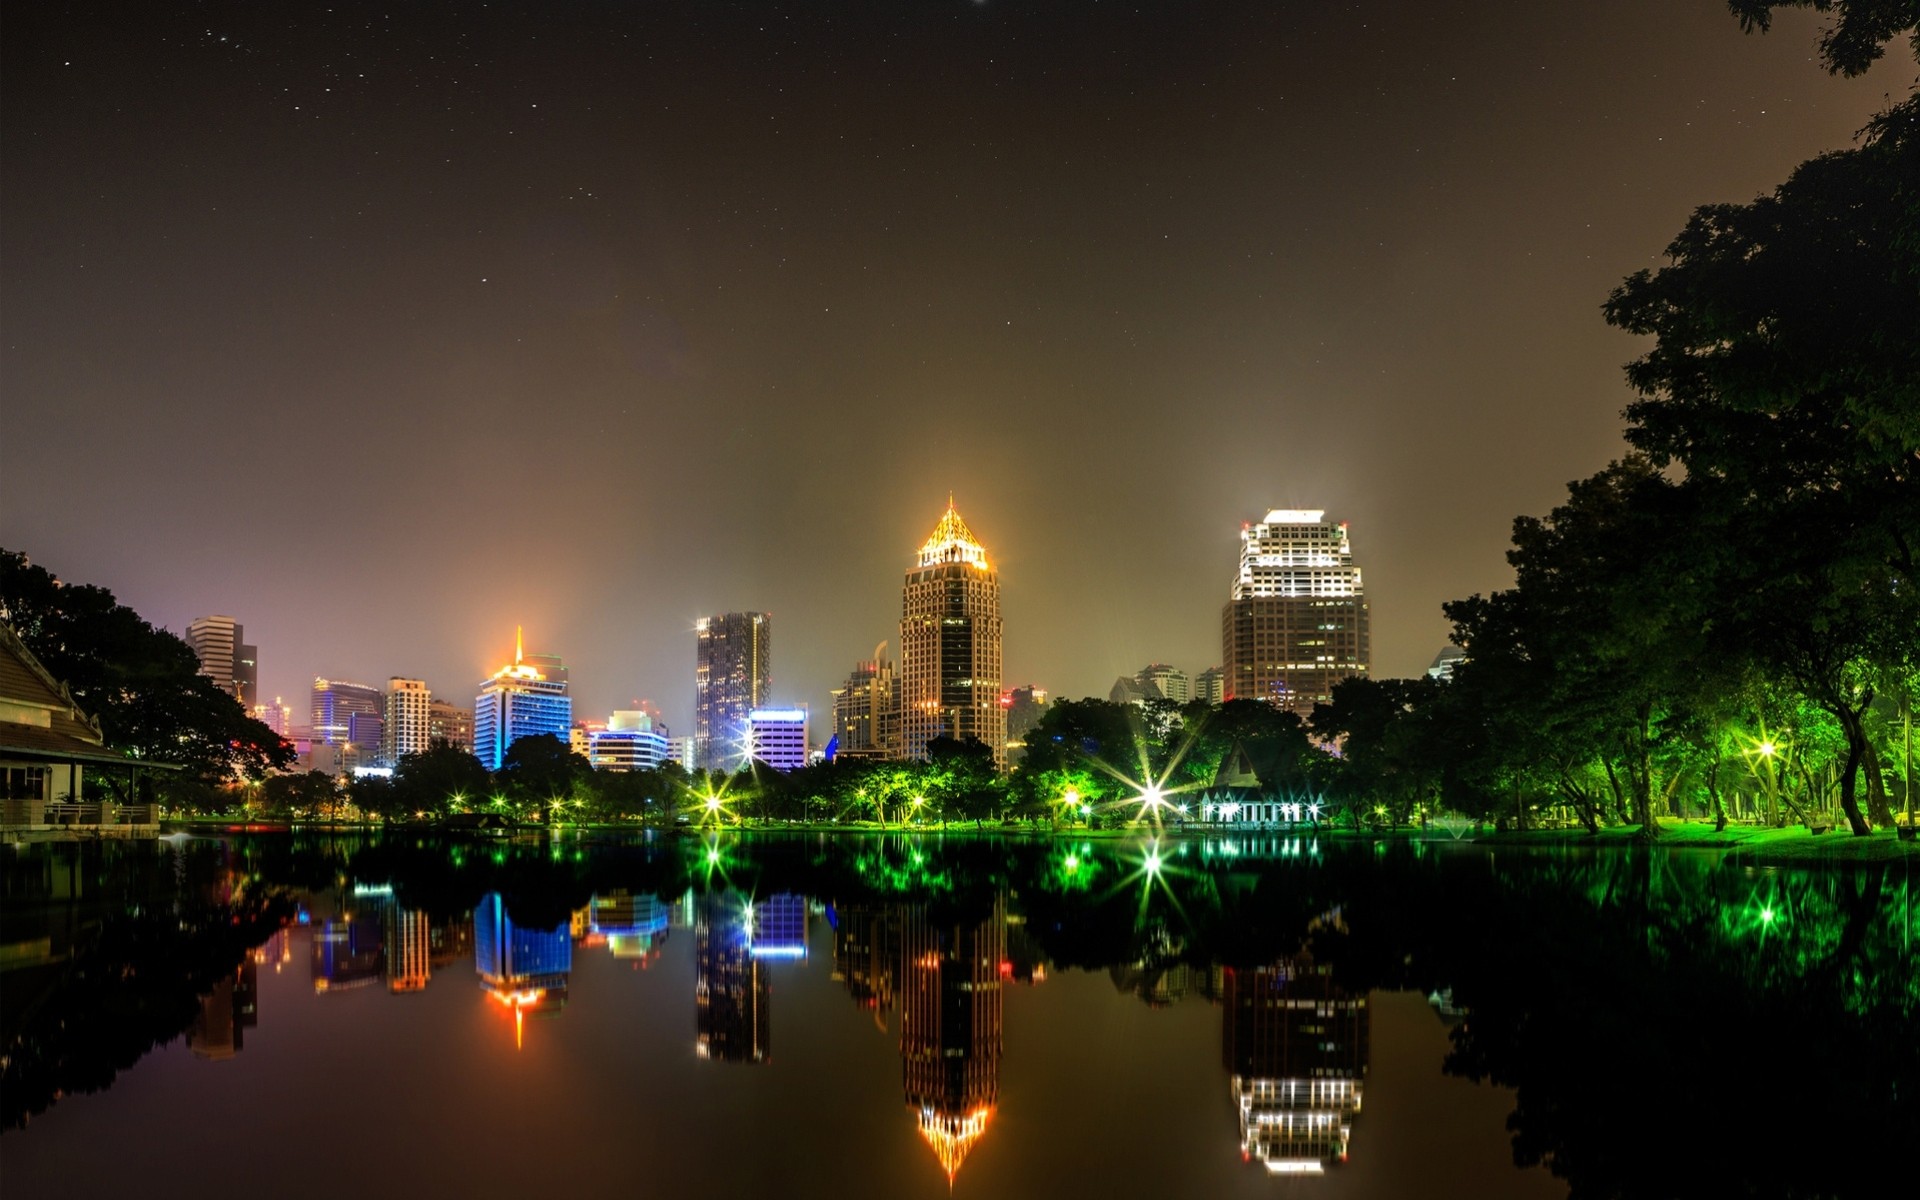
(27, 685)
(1236, 769)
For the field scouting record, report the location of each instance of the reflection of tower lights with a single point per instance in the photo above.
(519, 1002)
(952, 1136)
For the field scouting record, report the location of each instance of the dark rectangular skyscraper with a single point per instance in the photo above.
(732, 676)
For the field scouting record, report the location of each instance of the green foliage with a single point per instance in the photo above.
(142, 684)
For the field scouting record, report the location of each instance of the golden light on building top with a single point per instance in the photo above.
(949, 682)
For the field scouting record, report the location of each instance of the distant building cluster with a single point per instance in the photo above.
(1295, 623)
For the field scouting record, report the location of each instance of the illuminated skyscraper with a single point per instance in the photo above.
(1296, 1048)
(732, 676)
(950, 1028)
(1297, 620)
(950, 644)
(732, 994)
(219, 642)
(409, 719)
(866, 710)
(335, 704)
(524, 698)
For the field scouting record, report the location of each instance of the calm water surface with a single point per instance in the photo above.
(886, 1016)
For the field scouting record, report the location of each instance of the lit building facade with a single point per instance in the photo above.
(778, 737)
(732, 676)
(951, 1032)
(1296, 623)
(1024, 707)
(520, 700)
(449, 724)
(1210, 685)
(630, 742)
(950, 644)
(336, 702)
(219, 642)
(779, 924)
(866, 711)
(409, 719)
(277, 716)
(1170, 683)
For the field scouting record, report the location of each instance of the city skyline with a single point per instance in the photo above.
(1273, 258)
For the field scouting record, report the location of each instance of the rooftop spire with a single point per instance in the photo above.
(952, 541)
(519, 644)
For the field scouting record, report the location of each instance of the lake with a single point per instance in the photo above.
(899, 1016)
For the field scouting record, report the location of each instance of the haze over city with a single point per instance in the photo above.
(386, 332)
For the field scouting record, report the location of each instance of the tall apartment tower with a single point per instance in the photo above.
(866, 710)
(449, 723)
(950, 644)
(409, 728)
(520, 700)
(219, 642)
(732, 676)
(1297, 621)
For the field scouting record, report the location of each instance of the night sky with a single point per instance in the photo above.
(383, 329)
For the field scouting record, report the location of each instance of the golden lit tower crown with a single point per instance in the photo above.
(949, 681)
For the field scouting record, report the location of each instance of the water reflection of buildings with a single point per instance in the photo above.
(732, 995)
(866, 951)
(524, 969)
(950, 1027)
(631, 927)
(349, 951)
(226, 1013)
(409, 937)
(1296, 1047)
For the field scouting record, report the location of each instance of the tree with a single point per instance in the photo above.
(1785, 380)
(300, 796)
(539, 770)
(437, 779)
(142, 684)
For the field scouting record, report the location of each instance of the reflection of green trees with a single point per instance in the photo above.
(1674, 1025)
(160, 929)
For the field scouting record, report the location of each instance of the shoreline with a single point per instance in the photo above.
(1756, 846)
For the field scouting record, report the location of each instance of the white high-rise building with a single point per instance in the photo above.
(409, 725)
(778, 737)
(1296, 623)
(225, 657)
(1171, 682)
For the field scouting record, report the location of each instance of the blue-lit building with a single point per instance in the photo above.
(630, 742)
(524, 698)
(780, 926)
